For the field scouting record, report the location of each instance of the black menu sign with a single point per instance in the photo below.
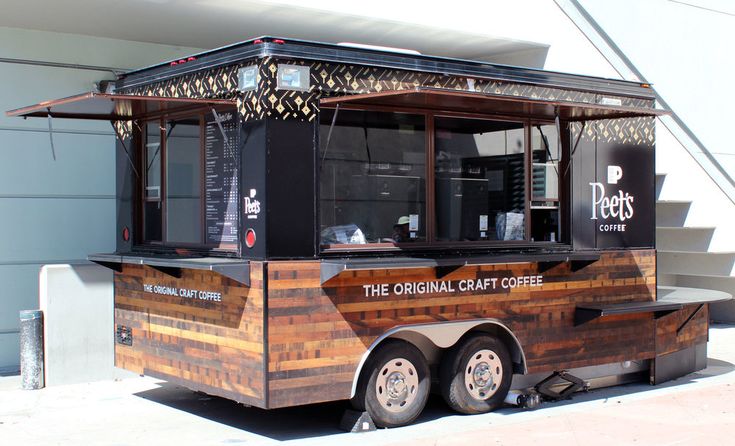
(222, 161)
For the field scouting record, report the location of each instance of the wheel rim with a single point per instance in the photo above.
(397, 385)
(483, 374)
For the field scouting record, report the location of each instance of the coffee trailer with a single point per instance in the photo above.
(300, 222)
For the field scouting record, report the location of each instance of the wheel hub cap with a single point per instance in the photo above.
(483, 374)
(396, 385)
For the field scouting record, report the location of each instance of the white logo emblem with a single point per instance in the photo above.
(614, 173)
(618, 206)
(251, 205)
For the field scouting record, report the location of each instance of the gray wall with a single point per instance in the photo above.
(54, 211)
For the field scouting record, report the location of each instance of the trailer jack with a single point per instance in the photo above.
(575, 384)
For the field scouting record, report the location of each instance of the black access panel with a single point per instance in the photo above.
(290, 180)
(623, 195)
(125, 157)
(582, 173)
(253, 188)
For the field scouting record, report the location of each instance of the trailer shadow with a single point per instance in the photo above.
(320, 420)
(315, 420)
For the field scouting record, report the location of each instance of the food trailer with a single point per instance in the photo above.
(300, 222)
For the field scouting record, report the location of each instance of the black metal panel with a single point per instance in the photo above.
(125, 180)
(680, 363)
(295, 49)
(253, 187)
(291, 189)
(583, 172)
(635, 190)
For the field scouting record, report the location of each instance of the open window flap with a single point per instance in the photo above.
(468, 102)
(112, 107)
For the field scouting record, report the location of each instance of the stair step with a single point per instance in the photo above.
(672, 212)
(687, 238)
(665, 279)
(696, 263)
(660, 177)
(721, 311)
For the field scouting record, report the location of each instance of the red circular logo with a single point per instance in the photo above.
(126, 234)
(249, 238)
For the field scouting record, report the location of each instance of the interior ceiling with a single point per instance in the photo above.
(210, 24)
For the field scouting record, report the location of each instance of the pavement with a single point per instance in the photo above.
(696, 409)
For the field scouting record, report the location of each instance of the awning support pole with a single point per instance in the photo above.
(574, 149)
(119, 138)
(218, 120)
(331, 127)
(51, 134)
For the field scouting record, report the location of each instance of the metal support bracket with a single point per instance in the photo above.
(125, 148)
(329, 135)
(115, 266)
(445, 270)
(576, 265)
(575, 384)
(168, 270)
(689, 319)
(51, 134)
(545, 266)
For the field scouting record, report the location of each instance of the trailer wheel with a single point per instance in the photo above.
(476, 374)
(395, 385)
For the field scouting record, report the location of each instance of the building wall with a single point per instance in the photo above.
(54, 211)
(685, 50)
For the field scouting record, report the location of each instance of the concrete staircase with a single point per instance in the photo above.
(685, 257)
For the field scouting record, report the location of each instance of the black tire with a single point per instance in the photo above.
(467, 385)
(406, 365)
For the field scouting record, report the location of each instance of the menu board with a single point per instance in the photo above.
(222, 163)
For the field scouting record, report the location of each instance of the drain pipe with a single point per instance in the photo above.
(31, 349)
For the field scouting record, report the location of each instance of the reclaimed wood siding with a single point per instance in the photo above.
(317, 334)
(214, 347)
(695, 332)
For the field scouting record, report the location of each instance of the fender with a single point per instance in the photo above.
(441, 335)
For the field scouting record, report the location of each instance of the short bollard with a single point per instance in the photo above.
(31, 349)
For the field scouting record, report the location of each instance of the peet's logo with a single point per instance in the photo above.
(615, 206)
(251, 206)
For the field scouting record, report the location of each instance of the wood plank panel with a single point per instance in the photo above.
(694, 332)
(213, 346)
(317, 334)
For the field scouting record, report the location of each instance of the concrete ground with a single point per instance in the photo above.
(694, 410)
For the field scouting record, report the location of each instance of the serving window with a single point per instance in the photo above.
(189, 181)
(413, 180)
(373, 178)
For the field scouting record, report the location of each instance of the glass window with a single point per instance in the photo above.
(372, 181)
(545, 156)
(152, 194)
(479, 179)
(183, 184)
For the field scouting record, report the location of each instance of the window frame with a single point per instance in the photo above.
(563, 239)
(140, 243)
